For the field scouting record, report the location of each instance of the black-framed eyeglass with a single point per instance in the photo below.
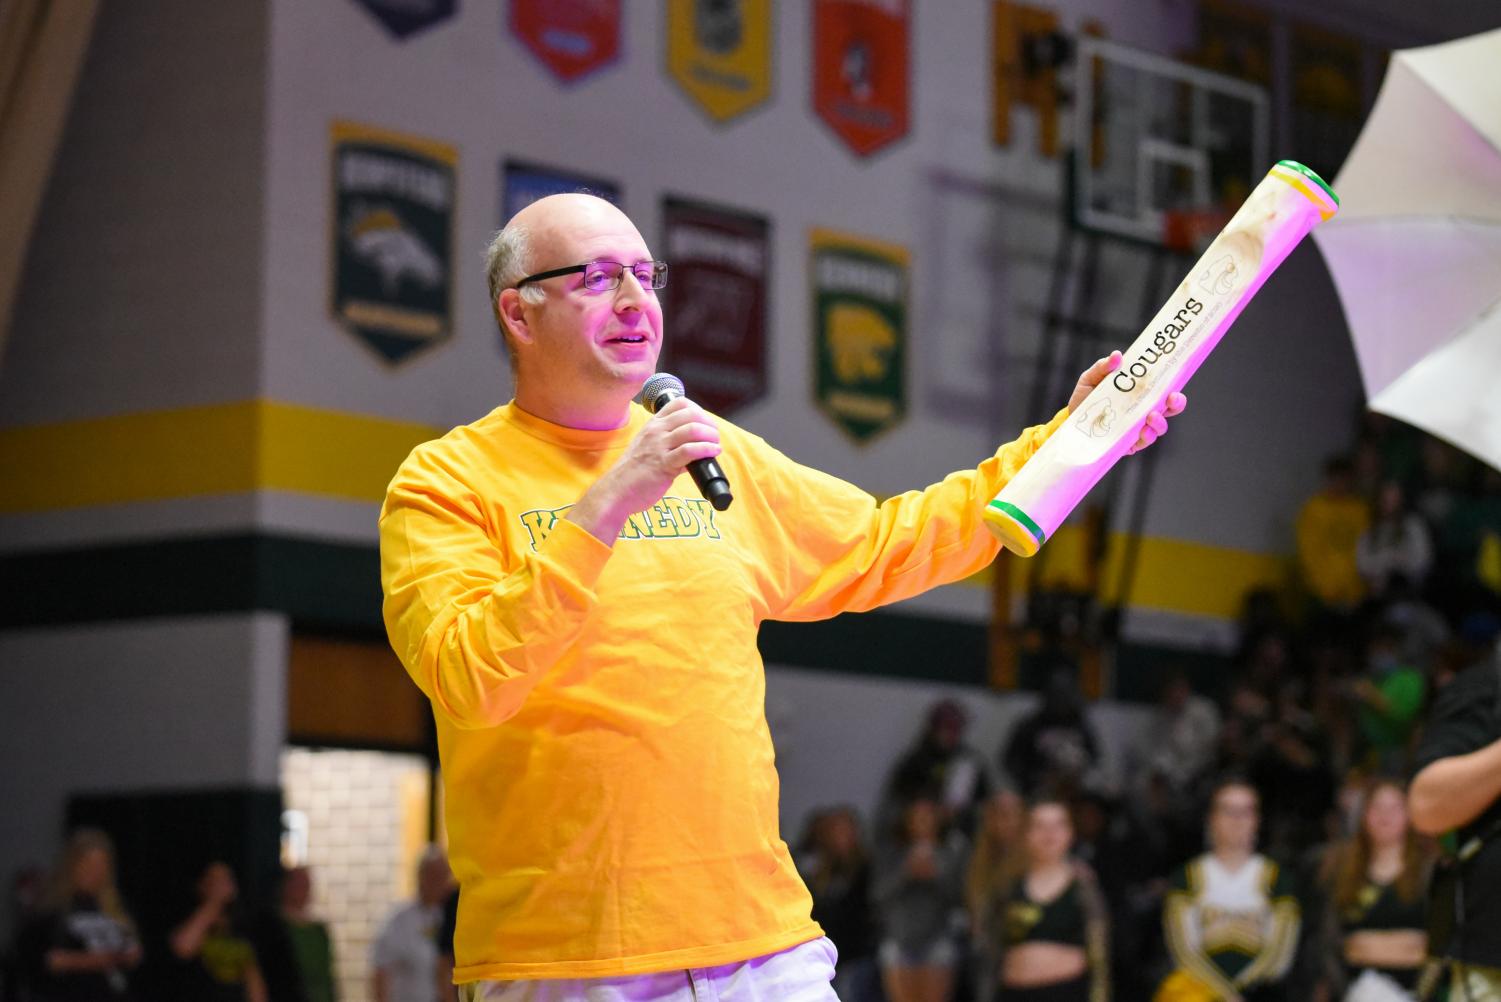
(602, 276)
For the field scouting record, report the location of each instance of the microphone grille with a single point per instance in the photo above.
(657, 385)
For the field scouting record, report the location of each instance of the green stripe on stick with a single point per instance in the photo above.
(1306, 172)
(1012, 510)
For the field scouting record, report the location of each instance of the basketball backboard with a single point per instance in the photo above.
(1155, 138)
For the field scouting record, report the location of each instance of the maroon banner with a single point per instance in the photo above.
(572, 38)
(715, 308)
(860, 70)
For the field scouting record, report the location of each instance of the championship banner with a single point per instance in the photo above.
(391, 239)
(719, 52)
(523, 183)
(859, 332)
(1014, 80)
(572, 38)
(403, 17)
(716, 307)
(860, 70)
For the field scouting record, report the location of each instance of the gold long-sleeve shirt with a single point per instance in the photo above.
(611, 793)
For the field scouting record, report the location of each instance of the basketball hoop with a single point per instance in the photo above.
(1167, 143)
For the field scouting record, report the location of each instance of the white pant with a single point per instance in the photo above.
(799, 974)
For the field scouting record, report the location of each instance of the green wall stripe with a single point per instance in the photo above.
(884, 644)
(317, 583)
(335, 587)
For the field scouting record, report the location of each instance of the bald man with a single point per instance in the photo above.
(584, 624)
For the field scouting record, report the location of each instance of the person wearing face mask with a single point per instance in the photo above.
(584, 625)
(1389, 700)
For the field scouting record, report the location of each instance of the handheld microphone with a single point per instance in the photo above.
(659, 391)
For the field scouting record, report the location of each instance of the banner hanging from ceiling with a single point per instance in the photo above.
(572, 38)
(861, 70)
(719, 53)
(859, 332)
(403, 18)
(391, 239)
(716, 302)
(522, 183)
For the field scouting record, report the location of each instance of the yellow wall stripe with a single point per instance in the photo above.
(131, 457)
(1173, 575)
(194, 451)
(1177, 575)
(350, 456)
(252, 445)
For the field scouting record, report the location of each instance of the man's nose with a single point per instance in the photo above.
(631, 295)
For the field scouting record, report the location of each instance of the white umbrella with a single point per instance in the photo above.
(1415, 251)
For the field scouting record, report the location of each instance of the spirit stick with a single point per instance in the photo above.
(1282, 209)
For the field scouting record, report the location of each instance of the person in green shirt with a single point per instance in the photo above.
(312, 943)
(1389, 698)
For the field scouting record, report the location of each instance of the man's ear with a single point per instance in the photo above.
(509, 308)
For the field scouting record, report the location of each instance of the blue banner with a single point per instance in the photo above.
(521, 184)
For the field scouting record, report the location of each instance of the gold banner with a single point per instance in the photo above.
(720, 53)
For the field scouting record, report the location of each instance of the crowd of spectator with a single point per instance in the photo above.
(75, 941)
(1181, 888)
(1259, 845)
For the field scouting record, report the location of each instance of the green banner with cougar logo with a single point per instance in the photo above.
(391, 243)
(859, 332)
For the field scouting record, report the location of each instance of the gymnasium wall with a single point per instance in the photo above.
(176, 367)
(193, 448)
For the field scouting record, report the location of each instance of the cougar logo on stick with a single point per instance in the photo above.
(1220, 277)
(1097, 419)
